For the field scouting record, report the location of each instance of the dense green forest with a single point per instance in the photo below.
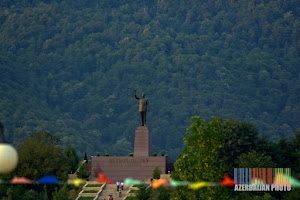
(70, 67)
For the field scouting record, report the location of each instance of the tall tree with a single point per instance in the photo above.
(40, 155)
(200, 159)
(72, 158)
(62, 193)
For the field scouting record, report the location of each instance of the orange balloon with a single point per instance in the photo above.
(158, 183)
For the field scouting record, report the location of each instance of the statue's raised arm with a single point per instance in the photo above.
(135, 95)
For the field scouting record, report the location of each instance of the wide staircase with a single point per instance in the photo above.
(112, 189)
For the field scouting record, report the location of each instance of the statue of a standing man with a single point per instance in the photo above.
(144, 105)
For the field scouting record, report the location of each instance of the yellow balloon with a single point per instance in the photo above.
(8, 158)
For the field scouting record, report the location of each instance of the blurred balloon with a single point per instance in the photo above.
(8, 158)
(294, 182)
(196, 186)
(20, 180)
(103, 179)
(158, 183)
(48, 180)
(227, 181)
(178, 183)
(77, 182)
(130, 181)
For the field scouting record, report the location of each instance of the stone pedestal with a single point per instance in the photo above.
(142, 142)
(139, 167)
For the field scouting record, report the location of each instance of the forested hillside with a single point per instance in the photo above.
(70, 67)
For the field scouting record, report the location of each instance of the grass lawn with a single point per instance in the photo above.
(90, 191)
(134, 191)
(138, 185)
(131, 198)
(94, 185)
(86, 198)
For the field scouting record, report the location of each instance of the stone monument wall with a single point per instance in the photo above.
(121, 167)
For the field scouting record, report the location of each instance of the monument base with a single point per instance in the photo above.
(142, 142)
(140, 166)
(121, 167)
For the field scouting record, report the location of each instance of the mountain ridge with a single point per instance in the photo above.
(71, 68)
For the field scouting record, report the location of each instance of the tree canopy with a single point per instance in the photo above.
(200, 159)
(40, 154)
(209, 144)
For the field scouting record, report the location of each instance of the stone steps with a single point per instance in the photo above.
(95, 195)
(112, 189)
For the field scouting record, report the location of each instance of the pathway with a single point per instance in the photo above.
(112, 189)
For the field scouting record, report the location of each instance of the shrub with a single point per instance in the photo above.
(82, 172)
(156, 173)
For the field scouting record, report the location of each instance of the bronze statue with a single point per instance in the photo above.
(143, 107)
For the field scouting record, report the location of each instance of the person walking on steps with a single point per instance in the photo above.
(122, 185)
(118, 185)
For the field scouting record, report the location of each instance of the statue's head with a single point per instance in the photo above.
(143, 95)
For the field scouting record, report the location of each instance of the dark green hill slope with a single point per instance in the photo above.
(70, 67)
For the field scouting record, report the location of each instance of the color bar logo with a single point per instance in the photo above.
(262, 179)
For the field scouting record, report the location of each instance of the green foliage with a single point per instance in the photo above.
(156, 173)
(154, 154)
(253, 196)
(234, 137)
(40, 155)
(143, 193)
(9, 194)
(65, 176)
(106, 154)
(121, 147)
(90, 191)
(94, 185)
(83, 171)
(296, 152)
(253, 159)
(134, 191)
(85, 156)
(62, 194)
(295, 193)
(45, 197)
(72, 158)
(130, 154)
(290, 152)
(200, 159)
(161, 193)
(203, 142)
(71, 68)
(26, 192)
(130, 198)
(86, 198)
(240, 138)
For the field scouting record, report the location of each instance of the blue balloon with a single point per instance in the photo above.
(48, 180)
